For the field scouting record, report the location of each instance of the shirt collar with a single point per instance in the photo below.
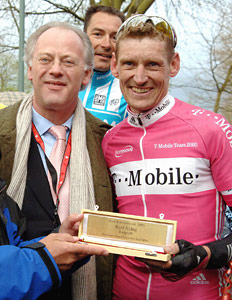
(42, 124)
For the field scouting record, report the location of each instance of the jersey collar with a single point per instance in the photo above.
(154, 114)
(100, 78)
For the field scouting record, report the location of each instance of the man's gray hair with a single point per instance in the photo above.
(32, 40)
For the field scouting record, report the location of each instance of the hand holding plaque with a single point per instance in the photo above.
(128, 234)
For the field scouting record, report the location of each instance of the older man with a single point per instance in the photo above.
(51, 147)
(177, 166)
(102, 96)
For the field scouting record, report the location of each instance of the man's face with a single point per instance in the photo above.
(56, 84)
(101, 30)
(144, 70)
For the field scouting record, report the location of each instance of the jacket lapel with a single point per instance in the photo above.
(37, 179)
(101, 180)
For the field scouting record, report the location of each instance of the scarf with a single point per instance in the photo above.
(81, 182)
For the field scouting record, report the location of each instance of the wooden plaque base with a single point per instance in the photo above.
(128, 234)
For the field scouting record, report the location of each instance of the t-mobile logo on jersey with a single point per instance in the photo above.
(158, 177)
(166, 176)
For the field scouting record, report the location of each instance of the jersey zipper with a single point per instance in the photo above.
(148, 284)
(142, 154)
(144, 204)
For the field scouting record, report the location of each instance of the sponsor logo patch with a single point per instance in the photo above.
(113, 102)
(200, 279)
(99, 100)
(119, 153)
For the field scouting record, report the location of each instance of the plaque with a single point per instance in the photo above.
(128, 234)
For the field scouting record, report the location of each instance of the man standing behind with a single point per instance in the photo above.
(177, 166)
(102, 96)
(47, 187)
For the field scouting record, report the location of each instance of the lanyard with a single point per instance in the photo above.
(51, 169)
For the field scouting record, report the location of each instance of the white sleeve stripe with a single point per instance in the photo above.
(228, 192)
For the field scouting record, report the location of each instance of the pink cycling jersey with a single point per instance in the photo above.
(173, 162)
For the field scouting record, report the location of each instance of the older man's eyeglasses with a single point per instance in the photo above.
(159, 23)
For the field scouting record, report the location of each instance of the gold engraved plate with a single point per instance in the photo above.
(128, 234)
